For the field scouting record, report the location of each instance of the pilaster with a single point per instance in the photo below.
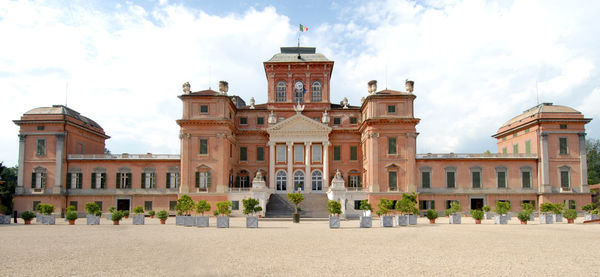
(307, 175)
(585, 188)
(290, 169)
(21, 173)
(60, 150)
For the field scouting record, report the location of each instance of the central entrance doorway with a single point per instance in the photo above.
(123, 204)
(476, 203)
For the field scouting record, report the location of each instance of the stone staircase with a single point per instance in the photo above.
(313, 206)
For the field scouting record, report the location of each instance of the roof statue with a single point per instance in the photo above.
(372, 85)
(345, 103)
(223, 87)
(299, 108)
(409, 86)
(252, 103)
(186, 87)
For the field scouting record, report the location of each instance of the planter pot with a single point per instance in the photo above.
(48, 219)
(334, 222)
(126, 217)
(546, 219)
(162, 221)
(251, 222)
(570, 220)
(523, 222)
(27, 222)
(92, 219)
(202, 221)
(488, 215)
(587, 217)
(296, 217)
(138, 220)
(454, 219)
(189, 221)
(179, 220)
(151, 217)
(387, 221)
(109, 217)
(432, 221)
(531, 217)
(558, 217)
(412, 219)
(71, 222)
(477, 221)
(402, 220)
(115, 222)
(222, 222)
(38, 218)
(5, 219)
(501, 219)
(366, 222)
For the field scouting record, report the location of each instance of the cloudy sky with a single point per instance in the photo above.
(475, 63)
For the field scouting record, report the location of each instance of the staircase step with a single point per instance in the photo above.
(313, 206)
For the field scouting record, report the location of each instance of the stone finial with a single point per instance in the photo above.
(298, 107)
(345, 103)
(223, 87)
(325, 118)
(409, 85)
(362, 100)
(272, 119)
(186, 87)
(251, 102)
(372, 86)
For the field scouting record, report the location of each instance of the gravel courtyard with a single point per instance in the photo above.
(281, 248)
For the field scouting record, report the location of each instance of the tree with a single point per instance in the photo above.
(593, 160)
(185, 205)
(8, 182)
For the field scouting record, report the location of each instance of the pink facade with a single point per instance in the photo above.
(298, 140)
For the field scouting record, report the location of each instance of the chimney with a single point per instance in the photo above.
(372, 86)
(223, 87)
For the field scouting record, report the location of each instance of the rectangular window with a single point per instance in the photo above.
(230, 150)
(354, 181)
(353, 153)
(203, 108)
(515, 134)
(337, 153)
(449, 202)
(203, 180)
(393, 180)
(564, 179)
(337, 121)
(281, 153)
(476, 179)
(504, 150)
(526, 130)
(353, 120)
(528, 147)
(203, 147)
(243, 154)
(426, 179)
(260, 121)
(450, 179)
(243, 121)
(35, 203)
(172, 205)
(41, 147)
(316, 153)
(570, 204)
(532, 202)
(515, 149)
(501, 179)
(172, 180)
(426, 204)
(298, 153)
(391, 108)
(99, 204)
(148, 205)
(357, 204)
(40, 128)
(235, 205)
(563, 126)
(392, 146)
(74, 204)
(526, 179)
(260, 153)
(563, 145)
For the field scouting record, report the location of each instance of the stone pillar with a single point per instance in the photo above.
(290, 163)
(184, 184)
(325, 165)
(21, 173)
(60, 150)
(307, 175)
(411, 169)
(271, 164)
(545, 187)
(585, 188)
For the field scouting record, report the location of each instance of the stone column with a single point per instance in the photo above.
(325, 165)
(585, 188)
(60, 145)
(307, 175)
(290, 162)
(545, 187)
(271, 164)
(184, 184)
(21, 173)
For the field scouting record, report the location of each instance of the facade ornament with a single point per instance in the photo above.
(372, 85)
(325, 118)
(252, 103)
(362, 100)
(223, 87)
(345, 103)
(338, 175)
(272, 119)
(409, 86)
(186, 88)
(258, 177)
(184, 136)
(299, 108)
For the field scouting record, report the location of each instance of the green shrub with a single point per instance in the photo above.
(334, 207)
(251, 206)
(588, 207)
(408, 204)
(384, 206)
(546, 207)
(138, 210)
(594, 211)
(524, 215)
(163, 215)
(296, 199)
(571, 214)
(27, 215)
(45, 209)
(502, 207)
(558, 208)
(71, 208)
(117, 216)
(112, 209)
(125, 213)
(365, 206)
(202, 207)
(151, 213)
(92, 208)
(477, 214)
(98, 213)
(527, 207)
(71, 215)
(431, 214)
(185, 205)
(486, 208)
(216, 213)
(454, 208)
(224, 208)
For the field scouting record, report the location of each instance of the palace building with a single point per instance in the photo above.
(298, 141)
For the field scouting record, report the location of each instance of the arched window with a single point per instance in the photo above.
(281, 180)
(316, 92)
(280, 95)
(298, 180)
(299, 92)
(317, 180)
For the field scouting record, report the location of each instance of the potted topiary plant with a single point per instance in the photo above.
(407, 206)
(431, 215)
(486, 211)
(116, 217)
(453, 212)
(528, 207)
(46, 210)
(502, 208)
(524, 216)
(162, 215)
(184, 206)
(251, 206)
(71, 217)
(69, 209)
(138, 215)
(223, 211)
(335, 210)
(27, 216)
(202, 207)
(366, 221)
(477, 215)
(384, 208)
(571, 215)
(111, 210)
(546, 213)
(296, 199)
(588, 208)
(125, 214)
(557, 210)
(151, 213)
(92, 209)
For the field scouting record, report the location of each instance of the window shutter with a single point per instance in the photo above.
(33, 180)
(197, 179)
(69, 176)
(208, 179)
(118, 182)
(129, 180)
(143, 180)
(93, 180)
(79, 180)
(103, 181)
(433, 204)
(237, 181)
(359, 181)
(168, 180)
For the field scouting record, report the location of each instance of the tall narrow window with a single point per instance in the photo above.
(148, 205)
(41, 147)
(426, 179)
(281, 153)
(281, 87)
(149, 178)
(281, 180)
(317, 180)
(123, 178)
(354, 180)
(392, 146)
(393, 180)
(476, 178)
(203, 146)
(298, 153)
(243, 154)
(563, 145)
(337, 153)
(38, 178)
(298, 180)
(299, 92)
(450, 178)
(173, 178)
(260, 153)
(564, 178)
(526, 179)
(353, 153)
(316, 153)
(501, 177)
(74, 178)
(515, 149)
(99, 178)
(316, 92)
(203, 180)
(528, 147)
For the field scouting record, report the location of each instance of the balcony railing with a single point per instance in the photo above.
(123, 156)
(476, 156)
(231, 189)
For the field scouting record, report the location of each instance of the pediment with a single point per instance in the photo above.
(299, 124)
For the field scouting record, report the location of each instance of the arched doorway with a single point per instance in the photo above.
(299, 180)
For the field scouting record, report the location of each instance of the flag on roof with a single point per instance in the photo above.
(303, 28)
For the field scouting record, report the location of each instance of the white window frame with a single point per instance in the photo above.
(281, 180)
(317, 180)
(281, 152)
(317, 153)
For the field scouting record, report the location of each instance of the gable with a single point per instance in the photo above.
(299, 126)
